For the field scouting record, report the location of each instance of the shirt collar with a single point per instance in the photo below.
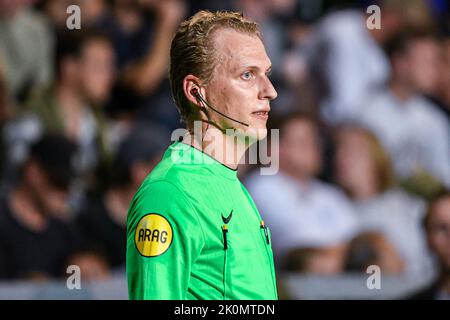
(186, 154)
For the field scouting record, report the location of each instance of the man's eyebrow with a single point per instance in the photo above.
(255, 67)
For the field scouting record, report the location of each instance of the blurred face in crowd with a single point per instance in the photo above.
(373, 248)
(56, 11)
(300, 148)
(392, 21)
(419, 66)
(444, 81)
(97, 70)
(92, 10)
(92, 266)
(49, 198)
(353, 160)
(324, 261)
(438, 231)
(240, 86)
(424, 57)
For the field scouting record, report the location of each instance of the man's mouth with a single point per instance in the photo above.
(261, 114)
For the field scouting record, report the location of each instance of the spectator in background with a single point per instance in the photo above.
(415, 132)
(56, 12)
(6, 103)
(425, 61)
(280, 25)
(441, 97)
(102, 218)
(35, 240)
(371, 248)
(268, 14)
(437, 226)
(93, 265)
(348, 54)
(350, 59)
(5, 114)
(445, 76)
(311, 221)
(26, 48)
(141, 33)
(72, 106)
(363, 170)
(431, 71)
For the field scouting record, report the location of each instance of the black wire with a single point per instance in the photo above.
(198, 96)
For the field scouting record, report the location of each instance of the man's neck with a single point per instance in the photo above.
(226, 149)
(302, 178)
(69, 99)
(401, 91)
(363, 191)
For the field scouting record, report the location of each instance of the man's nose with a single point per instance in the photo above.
(267, 90)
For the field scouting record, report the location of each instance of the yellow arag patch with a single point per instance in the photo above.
(153, 235)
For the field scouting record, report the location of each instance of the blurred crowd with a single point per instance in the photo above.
(364, 119)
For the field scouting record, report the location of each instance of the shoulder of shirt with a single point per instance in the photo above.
(405, 198)
(168, 177)
(379, 98)
(178, 175)
(256, 182)
(428, 110)
(167, 187)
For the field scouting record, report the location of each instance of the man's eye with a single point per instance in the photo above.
(247, 75)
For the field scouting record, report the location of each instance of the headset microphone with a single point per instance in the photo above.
(196, 93)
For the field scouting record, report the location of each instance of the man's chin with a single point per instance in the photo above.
(256, 134)
(249, 134)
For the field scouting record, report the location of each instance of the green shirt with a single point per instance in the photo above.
(176, 244)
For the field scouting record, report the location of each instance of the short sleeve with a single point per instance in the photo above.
(164, 238)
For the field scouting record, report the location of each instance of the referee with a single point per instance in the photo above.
(193, 230)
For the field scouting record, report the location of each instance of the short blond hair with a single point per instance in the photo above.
(192, 50)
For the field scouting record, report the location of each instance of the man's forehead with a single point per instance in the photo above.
(240, 49)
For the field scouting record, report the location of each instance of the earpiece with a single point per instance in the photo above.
(194, 92)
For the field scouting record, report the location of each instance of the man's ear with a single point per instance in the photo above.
(191, 82)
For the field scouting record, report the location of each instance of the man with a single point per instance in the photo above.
(311, 221)
(102, 219)
(437, 225)
(193, 230)
(34, 240)
(413, 130)
(26, 48)
(350, 58)
(72, 105)
(142, 32)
